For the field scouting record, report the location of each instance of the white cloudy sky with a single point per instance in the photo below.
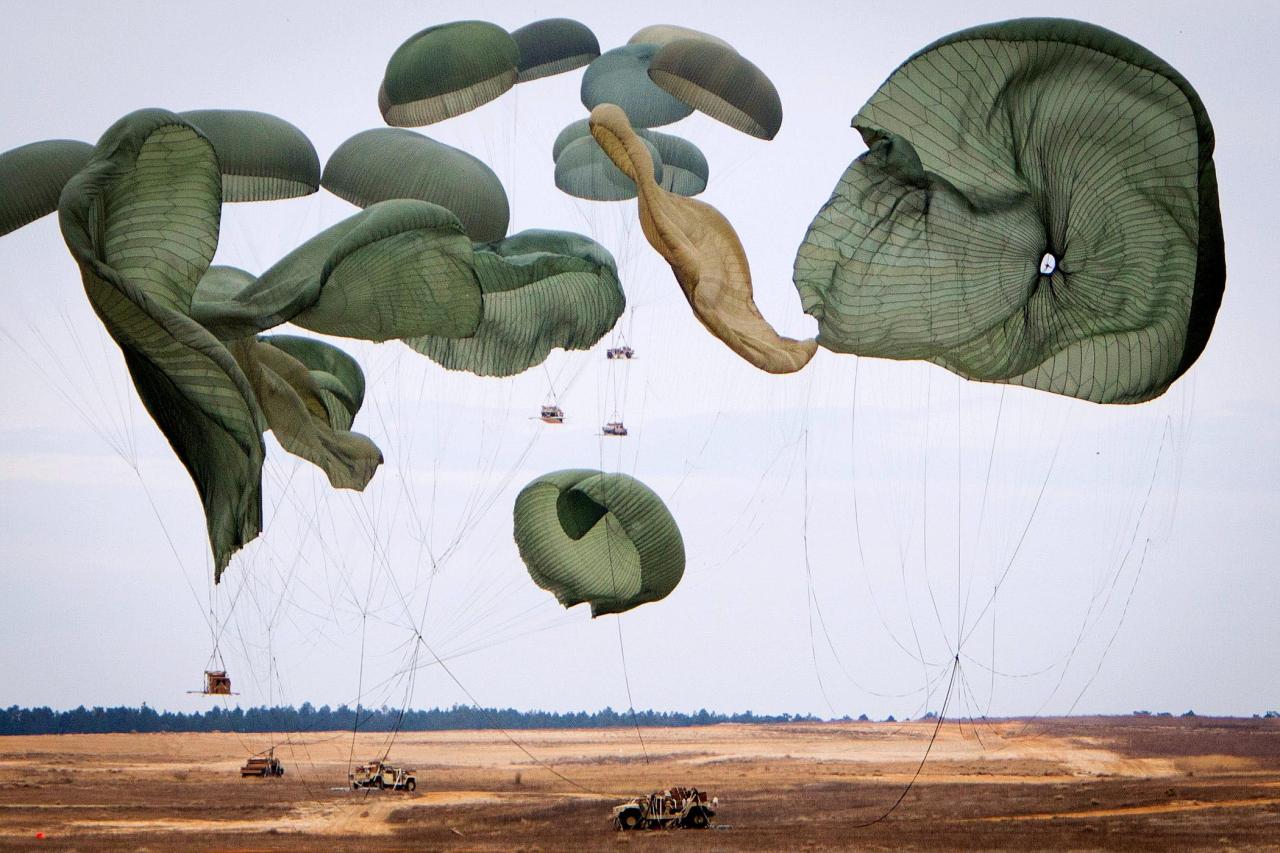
(838, 544)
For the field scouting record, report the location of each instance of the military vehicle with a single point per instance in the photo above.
(673, 808)
(379, 774)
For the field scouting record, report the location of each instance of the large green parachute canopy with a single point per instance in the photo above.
(542, 290)
(715, 79)
(397, 269)
(1038, 206)
(684, 167)
(32, 177)
(621, 76)
(606, 539)
(262, 157)
(141, 219)
(387, 163)
(447, 70)
(585, 171)
(553, 46)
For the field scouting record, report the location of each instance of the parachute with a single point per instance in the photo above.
(141, 220)
(684, 167)
(704, 252)
(605, 539)
(262, 157)
(388, 163)
(446, 70)
(553, 46)
(715, 79)
(541, 290)
(32, 176)
(1070, 244)
(621, 76)
(585, 171)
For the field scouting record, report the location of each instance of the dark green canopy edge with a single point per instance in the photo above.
(32, 177)
(553, 46)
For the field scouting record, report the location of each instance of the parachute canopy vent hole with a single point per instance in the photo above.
(1048, 264)
(578, 513)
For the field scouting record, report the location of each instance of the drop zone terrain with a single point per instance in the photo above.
(1125, 783)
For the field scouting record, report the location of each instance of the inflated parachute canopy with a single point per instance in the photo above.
(553, 46)
(684, 166)
(704, 252)
(621, 76)
(262, 157)
(447, 70)
(585, 171)
(387, 163)
(605, 539)
(141, 219)
(396, 269)
(542, 290)
(715, 79)
(663, 34)
(32, 177)
(1038, 206)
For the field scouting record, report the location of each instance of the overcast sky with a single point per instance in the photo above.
(845, 526)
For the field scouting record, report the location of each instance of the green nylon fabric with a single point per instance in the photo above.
(337, 375)
(605, 539)
(684, 166)
(542, 290)
(447, 70)
(141, 219)
(621, 76)
(992, 149)
(718, 81)
(262, 157)
(32, 177)
(553, 46)
(299, 415)
(396, 269)
(585, 171)
(387, 163)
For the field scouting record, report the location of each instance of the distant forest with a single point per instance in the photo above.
(82, 720)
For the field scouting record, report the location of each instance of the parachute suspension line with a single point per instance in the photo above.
(811, 599)
(517, 744)
(982, 510)
(942, 716)
(924, 491)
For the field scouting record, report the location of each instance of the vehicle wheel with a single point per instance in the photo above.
(381, 783)
(355, 786)
(411, 785)
(629, 820)
(697, 820)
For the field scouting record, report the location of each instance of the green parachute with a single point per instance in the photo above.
(715, 79)
(684, 169)
(446, 70)
(553, 46)
(141, 219)
(262, 157)
(32, 177)
(605, 539)
(541, 290)
(389, 163)
(621, 76)
(1038, 206)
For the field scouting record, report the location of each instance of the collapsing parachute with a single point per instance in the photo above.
(704, 252)
(541, 290)
(142, 221)
(1051, 222)
(606, 539)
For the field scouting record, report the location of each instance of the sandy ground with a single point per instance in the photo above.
(1118, 783)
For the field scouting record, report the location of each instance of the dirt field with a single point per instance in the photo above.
(1120, 783)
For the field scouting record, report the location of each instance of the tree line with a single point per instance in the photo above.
(42, 721)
